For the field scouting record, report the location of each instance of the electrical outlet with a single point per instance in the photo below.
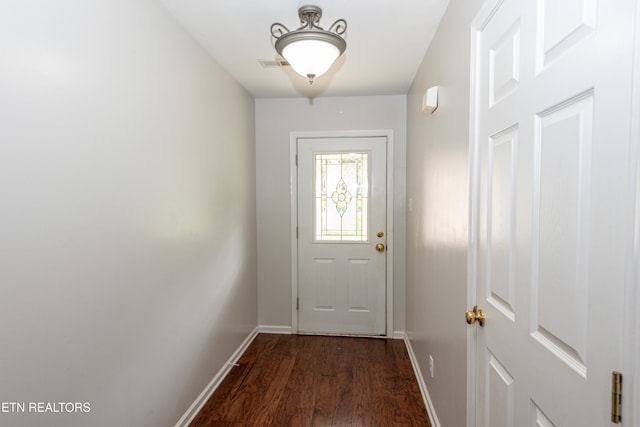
(431, 365)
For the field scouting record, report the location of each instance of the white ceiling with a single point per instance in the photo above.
(386, 42)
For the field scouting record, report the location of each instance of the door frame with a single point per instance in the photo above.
(631, 350)
(487, 10)
(293, 180)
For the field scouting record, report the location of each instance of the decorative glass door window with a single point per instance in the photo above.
(341, 196)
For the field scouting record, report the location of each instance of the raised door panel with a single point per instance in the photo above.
(561, 226)
(504, 64)
(538, 418)
(500, 390)
(324, 285)
(501, 186)
(561, 26)
(359, 277)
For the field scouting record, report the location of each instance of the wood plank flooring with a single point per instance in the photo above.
(298, 380)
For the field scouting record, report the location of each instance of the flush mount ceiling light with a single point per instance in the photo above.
(310, 49)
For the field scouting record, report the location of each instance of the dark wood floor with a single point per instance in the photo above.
(297, 380)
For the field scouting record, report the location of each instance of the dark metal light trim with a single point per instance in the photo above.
(310, 30)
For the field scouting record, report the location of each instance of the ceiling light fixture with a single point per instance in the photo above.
(310, 50)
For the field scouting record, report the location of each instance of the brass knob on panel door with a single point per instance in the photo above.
(380, 247)
(477, 315)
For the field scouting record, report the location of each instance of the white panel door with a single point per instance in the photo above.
(552, 108)
(341, 219)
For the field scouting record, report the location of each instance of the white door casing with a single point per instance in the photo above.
(631, 389)
(342, 283)
(550, 220)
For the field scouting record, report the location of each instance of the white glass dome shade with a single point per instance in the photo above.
(310, 57)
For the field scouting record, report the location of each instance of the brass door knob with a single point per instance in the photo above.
(380, 247)
(477, 315)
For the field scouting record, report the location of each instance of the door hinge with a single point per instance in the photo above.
(296, 160)
(616, 397)
(297, 232)
(297, 303)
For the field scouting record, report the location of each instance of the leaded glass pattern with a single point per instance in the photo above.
(341, 196)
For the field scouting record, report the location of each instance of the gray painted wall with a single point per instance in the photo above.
(275, 120)
(437, 218)
(127, 227)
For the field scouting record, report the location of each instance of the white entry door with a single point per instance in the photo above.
(552, 113)
(342, 235)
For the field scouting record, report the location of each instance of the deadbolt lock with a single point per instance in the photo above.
(380, 233)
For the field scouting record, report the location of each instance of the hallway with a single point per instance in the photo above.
(148, 228)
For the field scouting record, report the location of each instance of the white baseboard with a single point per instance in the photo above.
(271, 329)
(423, 387)
(197, 405)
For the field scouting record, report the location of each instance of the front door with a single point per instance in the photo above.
(342, 235)
(552, 113)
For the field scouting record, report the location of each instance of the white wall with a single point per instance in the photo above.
(275, 120)
(127, 219)
(437, 223)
